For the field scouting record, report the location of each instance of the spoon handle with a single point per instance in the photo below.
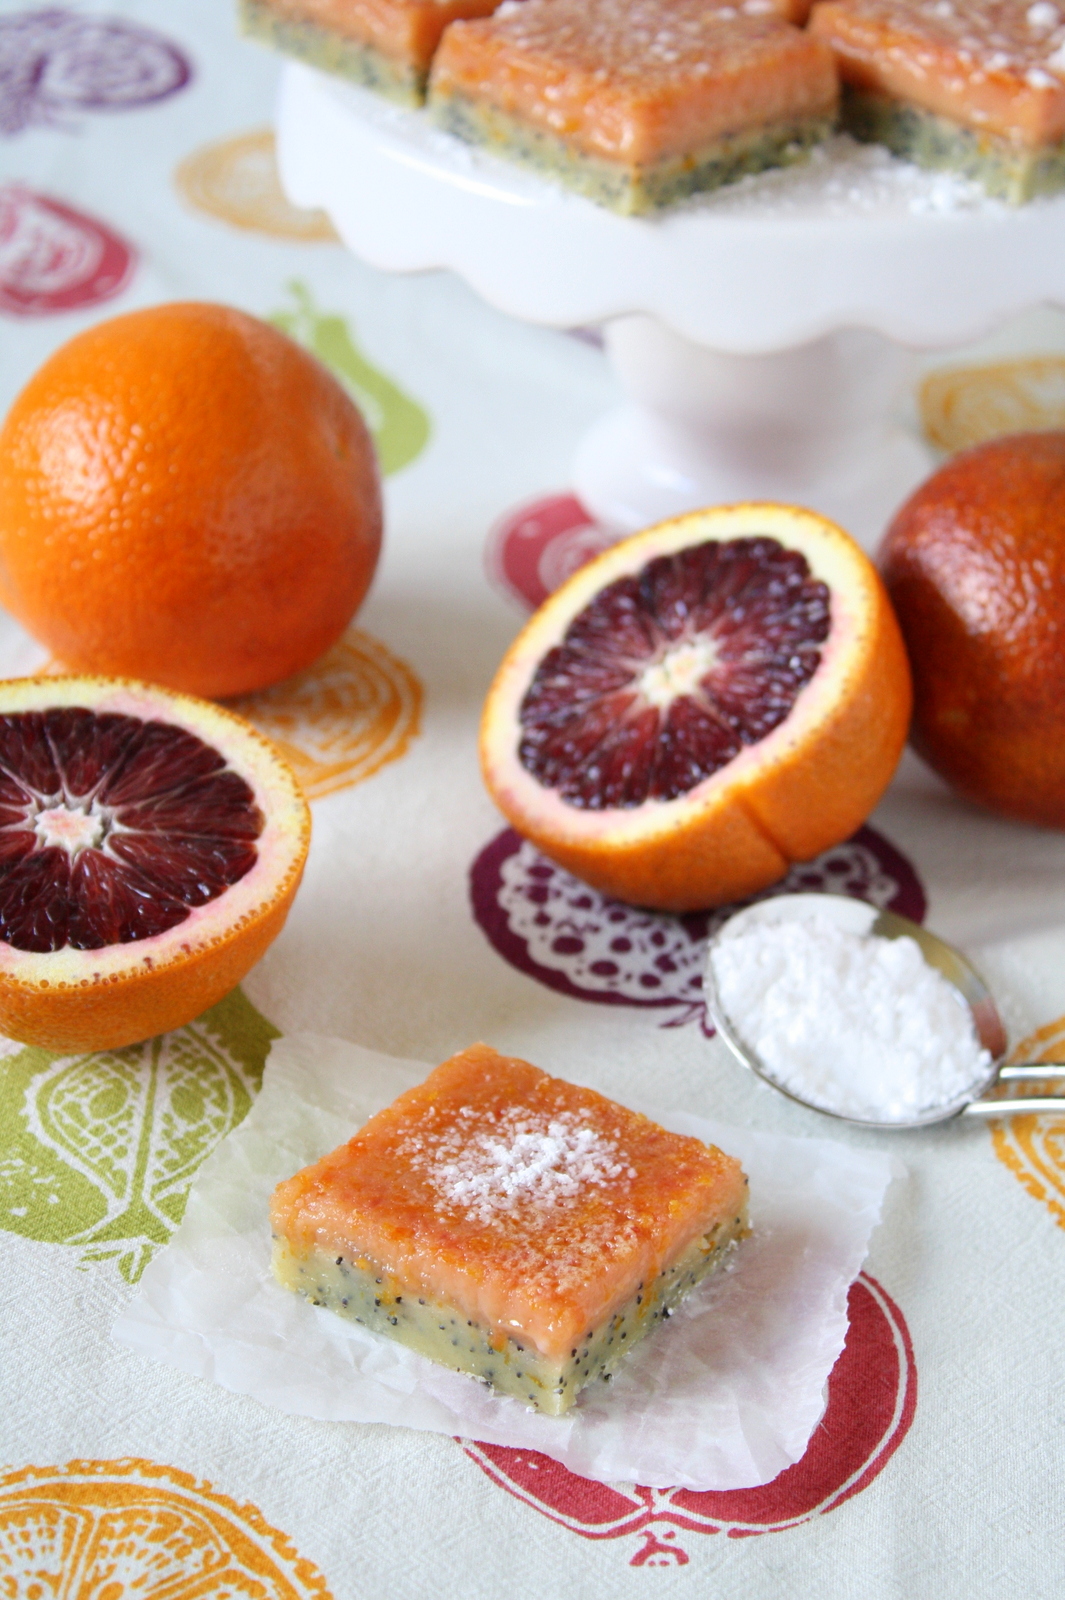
(1022, 1104)
(1032, 1070)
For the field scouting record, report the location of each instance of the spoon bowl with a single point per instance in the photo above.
(1000, 1091)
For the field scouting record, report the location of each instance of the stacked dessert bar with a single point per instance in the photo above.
(386, 45)
(640, 103)
(972, 86)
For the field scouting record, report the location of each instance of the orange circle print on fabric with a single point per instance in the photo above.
(114, 1528)
(963, 406)
(345, 718)
(236, 180)
(1033, 1147)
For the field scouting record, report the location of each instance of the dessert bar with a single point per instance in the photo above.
(385, 45)
(509, 1225)
(635, 103)
(973, 86)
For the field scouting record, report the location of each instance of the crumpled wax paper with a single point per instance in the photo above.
(723, 1396)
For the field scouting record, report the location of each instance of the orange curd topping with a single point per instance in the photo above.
(407, 30)
(635, 81)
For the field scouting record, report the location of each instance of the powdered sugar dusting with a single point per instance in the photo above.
(645, 42)
(851, 1023)
(524, 1159)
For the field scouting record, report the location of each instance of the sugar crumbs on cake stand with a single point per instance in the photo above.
(842, 178)
(851, 1023)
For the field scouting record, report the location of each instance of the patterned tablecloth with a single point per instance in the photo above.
(138, 167)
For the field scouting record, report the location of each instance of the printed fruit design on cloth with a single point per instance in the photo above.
(358, 708)
(98, 1152)
(53, 258)
(399, 425)
(109, 1529)
(699, 707)
(872, 1397)
(558, 930)
(975, 565)
(55, 62)
(150, 847)
(236, 180)
(186, 496)
(1033, 1147)
(964, 406)
(534, 548)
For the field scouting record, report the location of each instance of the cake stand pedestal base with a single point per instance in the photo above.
(811, 426)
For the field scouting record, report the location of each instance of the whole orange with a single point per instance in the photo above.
(186, 496)
(975, 566)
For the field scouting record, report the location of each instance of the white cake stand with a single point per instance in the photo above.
(763, 334)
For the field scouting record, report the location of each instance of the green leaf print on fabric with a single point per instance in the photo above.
(399, 426)
(99, 1151)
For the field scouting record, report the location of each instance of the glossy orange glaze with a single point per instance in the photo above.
(993, 65)
(545, 1268)
(407, 30)
(638, 81)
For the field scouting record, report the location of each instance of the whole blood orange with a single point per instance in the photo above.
(186, 496)
(150, 847)
(975, 564)
(702, 705)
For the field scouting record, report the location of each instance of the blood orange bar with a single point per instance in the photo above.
(635, 103)
(509, 1225)
(974, 86)
(385, 45)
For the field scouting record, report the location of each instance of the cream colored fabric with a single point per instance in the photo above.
(382, 950)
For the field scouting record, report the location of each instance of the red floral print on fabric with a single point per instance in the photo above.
(53, 258)
(872, 1397)
(536, 547)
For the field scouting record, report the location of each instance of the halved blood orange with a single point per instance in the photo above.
(150, 847)
(701, 706)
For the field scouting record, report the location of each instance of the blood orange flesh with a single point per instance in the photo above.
(701, 706)
(150, 845)
(670, 672)
(112, 829)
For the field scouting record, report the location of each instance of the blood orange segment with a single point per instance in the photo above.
(701, 706)
(150, 845)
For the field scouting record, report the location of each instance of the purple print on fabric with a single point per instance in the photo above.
(566, 935)
(53, 62)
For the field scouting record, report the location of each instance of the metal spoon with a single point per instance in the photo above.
(1003, 1092)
